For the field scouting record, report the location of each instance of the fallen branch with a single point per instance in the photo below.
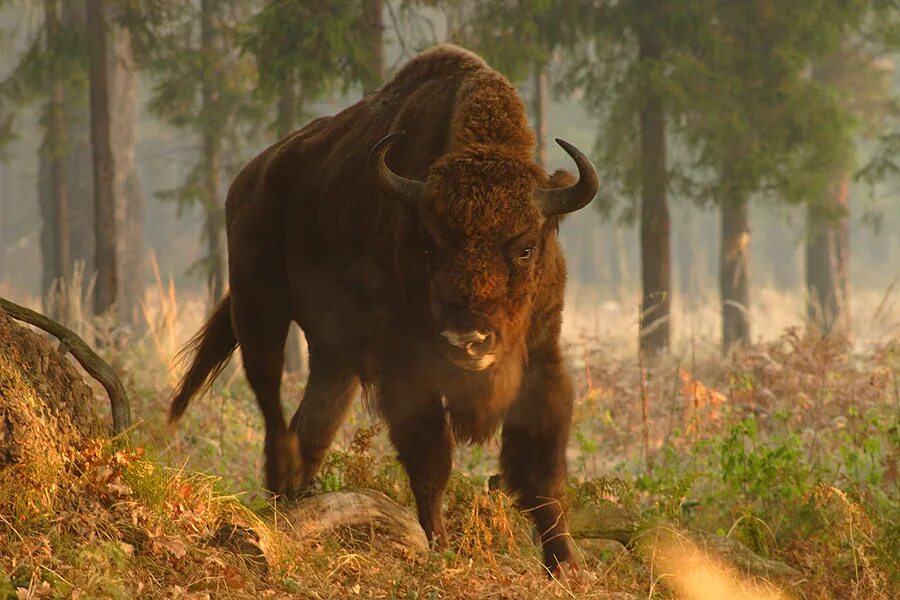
(92, 363)
(609, 521)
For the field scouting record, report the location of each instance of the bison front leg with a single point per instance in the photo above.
(329, 392)
(419, 432)
(533, 455)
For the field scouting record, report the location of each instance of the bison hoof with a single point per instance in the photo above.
(566, 572)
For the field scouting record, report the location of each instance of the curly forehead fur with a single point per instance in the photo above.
(481, 189)
(489, 108)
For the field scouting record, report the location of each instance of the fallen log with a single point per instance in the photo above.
(92, 363)
(318, 515)
(328, 513)
(609, 521)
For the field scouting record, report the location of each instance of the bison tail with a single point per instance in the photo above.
(210, 348)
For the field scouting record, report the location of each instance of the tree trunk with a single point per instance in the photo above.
(287, 107)
(539, 108)
(3, 195)
(58, 244)
(375, 42)
(78, 163)
(827, 255)
(655, 323)
(693, 261)
(130, 209)
(215, 239)
(48, 232)
(104, 188)
(734, 292)
(617, 255)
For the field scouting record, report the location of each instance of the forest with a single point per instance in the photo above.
(731, 322)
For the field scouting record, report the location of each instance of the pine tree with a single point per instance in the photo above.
(49, 72)
(618, 56)
(759, 123)
(855, 70)
(203, 85)
(106, 288)
(54, 71)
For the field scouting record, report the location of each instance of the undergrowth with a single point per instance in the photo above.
(790, 447)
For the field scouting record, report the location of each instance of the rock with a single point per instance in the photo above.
(603, 520)
(243, 541)
(599, 549)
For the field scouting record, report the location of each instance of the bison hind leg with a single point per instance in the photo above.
(261, 325)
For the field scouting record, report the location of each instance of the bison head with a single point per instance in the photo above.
(486, 221)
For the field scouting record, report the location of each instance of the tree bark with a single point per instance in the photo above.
(215, 239)
(55, 148)
(539, 109)
(48, 232)
(77, 163)
(827, 257)
(3, 194)
(734, 281)
(104, 188)
(130, 208)
(655, 323)
(287, 108)
(374, 31)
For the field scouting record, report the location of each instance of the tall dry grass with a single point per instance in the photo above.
(639, 431)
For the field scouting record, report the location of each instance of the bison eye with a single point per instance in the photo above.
(526, 254)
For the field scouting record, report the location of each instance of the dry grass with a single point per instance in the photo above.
(809, 426)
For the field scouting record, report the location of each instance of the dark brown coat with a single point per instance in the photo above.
(434, 279)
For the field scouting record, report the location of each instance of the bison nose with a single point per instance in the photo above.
(475, 344)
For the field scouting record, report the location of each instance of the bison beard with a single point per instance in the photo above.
(424, 267)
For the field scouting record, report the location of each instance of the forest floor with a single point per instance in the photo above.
(791, 447)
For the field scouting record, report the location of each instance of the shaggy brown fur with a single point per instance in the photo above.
(373, 279)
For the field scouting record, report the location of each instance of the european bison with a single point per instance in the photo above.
(422, 266)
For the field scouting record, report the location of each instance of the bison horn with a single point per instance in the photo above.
(388, 181)
(565, 200)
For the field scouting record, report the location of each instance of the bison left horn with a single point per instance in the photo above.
(388, 181)
(565, 200)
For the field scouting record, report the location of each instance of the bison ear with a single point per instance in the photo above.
(388, 181)
(561, 179)
(559, 201)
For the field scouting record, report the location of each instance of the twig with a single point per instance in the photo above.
(92, 363)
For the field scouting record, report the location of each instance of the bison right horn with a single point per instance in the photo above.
(388, 181)
(565, 200)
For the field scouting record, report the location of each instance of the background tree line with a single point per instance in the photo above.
(721, 104)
